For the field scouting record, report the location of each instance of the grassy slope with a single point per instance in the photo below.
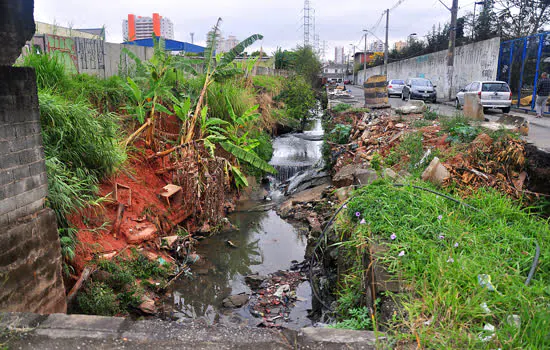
(444, 248)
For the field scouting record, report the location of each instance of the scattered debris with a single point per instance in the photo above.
(435, 173)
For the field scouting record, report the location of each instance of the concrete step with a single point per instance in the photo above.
(60, 331)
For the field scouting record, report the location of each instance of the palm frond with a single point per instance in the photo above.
(211, 45)
(228, 57)
(248, 156)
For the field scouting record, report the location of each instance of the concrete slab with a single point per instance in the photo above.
(330, 338)
(85, 326)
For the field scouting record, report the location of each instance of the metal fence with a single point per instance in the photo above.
(521, 62)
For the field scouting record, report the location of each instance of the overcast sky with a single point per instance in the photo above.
(338, 22)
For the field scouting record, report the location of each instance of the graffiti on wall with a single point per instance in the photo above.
(66, 47)
(90, 54)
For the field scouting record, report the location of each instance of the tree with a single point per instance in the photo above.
(256, 53)
(486, 25)
(522, 17)
(306, 64)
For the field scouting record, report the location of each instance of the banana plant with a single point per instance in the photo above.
(156, 89)
(216, 67)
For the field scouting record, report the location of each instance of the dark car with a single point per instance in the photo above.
(419, 89)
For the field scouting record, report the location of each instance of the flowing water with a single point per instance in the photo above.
(264, 243)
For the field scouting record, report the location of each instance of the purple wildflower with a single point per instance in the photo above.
(358, 214)
(393, 236)
(439, 217)
(401, 253)
(456, 245)
(362, 222)
(345, 206)
(450, 260)
(441, 237)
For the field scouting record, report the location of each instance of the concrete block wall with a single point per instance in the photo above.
(476, 61)
(23, 181)
(30, 251)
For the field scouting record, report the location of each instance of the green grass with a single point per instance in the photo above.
(440, 249)
(341, 107)
(272, 85)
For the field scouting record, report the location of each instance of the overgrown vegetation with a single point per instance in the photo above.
(462, 268)
(341, 107)
(118, 286)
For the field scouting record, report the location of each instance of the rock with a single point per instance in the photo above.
(365, 176)
(254, 281)
(235, 301)
(412, 107)
(168, 241)
(435, 172)
(205, 228)
(314, 223)
(147, 234)
(147, 305)
(309, 195)
(472, 107)
(309, 178)
(483, 139)
(285, 209)
(344, 177)
(343, 193)
(388, 173)
(400, 125)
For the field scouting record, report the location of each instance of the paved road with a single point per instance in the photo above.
(539, 129)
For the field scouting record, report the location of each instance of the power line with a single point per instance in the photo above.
(396, 5)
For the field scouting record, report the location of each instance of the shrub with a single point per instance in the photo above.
(299, 98)
(341, 107)
(340, 134)
(98, 299)
(50, 70)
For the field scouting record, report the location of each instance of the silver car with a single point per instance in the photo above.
(395, 87)
(493, 94)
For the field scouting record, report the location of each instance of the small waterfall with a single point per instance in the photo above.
(285, 172)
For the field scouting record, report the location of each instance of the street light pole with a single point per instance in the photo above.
(386, 48)
(474, 18)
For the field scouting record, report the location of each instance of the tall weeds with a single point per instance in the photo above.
(81, 147)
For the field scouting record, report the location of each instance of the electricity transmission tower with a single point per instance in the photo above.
(307, 22)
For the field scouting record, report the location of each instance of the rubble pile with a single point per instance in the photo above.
(274, 296)
(490, 163)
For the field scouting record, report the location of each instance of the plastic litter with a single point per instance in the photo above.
(282, 289)
(488, 328)
(514, 320)
(485, 308)
(485, 281)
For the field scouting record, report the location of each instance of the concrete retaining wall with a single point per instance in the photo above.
(477, 61)
(30, 257)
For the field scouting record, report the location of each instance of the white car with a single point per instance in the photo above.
(395, 87)
(493, 94)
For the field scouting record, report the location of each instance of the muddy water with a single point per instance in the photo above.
(264, 244)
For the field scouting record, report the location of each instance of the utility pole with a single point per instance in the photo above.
(365, 60)
(452, 44)
(192, 38)
(307, 22)
(386, 48)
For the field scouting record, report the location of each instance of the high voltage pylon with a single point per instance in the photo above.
(307, 23)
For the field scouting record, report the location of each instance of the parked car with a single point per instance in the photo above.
(395, 87)
(347, 81)
(419, 89)
(493, 94)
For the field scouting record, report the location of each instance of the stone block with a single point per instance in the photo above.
(472, 107)
(36, 168)
(365, 176)
(9, 160)
(6, 177)
(435, 173)
(323, 338)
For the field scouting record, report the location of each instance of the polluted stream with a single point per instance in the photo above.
(264, 244)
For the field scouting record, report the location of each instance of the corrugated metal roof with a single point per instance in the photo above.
(170, 45)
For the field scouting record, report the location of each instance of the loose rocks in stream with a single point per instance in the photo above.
(273, 299)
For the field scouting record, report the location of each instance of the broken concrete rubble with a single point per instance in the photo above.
(412, 107)
(436, 173)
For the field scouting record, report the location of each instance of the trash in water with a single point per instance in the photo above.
(485, 281)
(231, 244)
(281, 290)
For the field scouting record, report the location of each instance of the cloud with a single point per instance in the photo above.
(338, 23)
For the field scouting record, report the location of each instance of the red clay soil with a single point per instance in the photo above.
(147, 212)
